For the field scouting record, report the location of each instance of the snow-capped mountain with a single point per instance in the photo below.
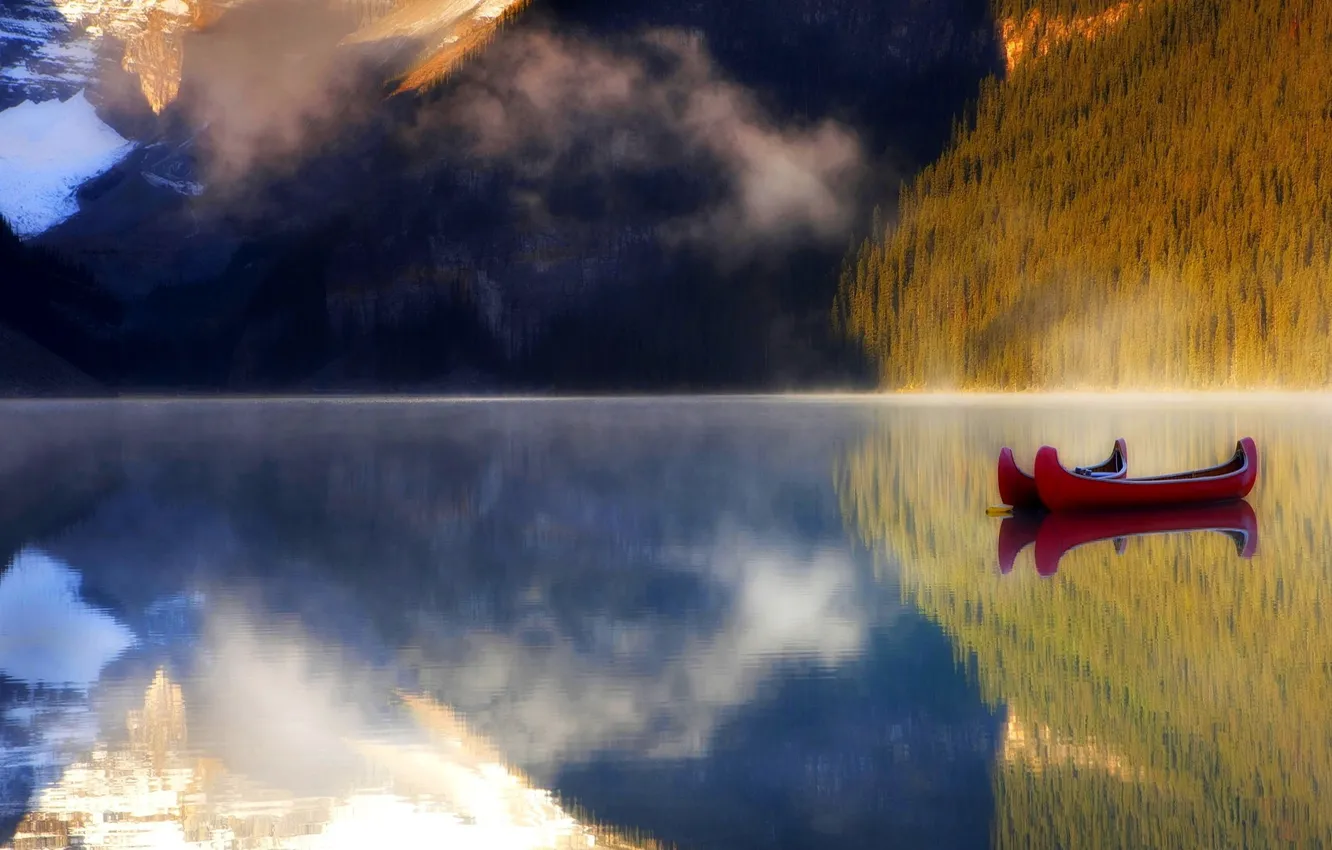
(50, 48)
(55, 56)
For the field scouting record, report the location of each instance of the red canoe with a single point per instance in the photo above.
(1058, 533)
(1064, 490)
(1018, 489)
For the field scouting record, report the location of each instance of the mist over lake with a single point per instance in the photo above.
(710, 623)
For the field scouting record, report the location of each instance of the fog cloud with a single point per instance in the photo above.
(288, 708)
(650, 123)
(270, 83)
(549, 106)
(657, 689)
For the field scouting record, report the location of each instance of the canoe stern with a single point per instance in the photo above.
(1016, 488)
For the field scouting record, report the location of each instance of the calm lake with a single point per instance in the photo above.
(717, 623)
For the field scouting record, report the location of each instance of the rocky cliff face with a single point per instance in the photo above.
(52, 47)
(1035, 34)
(48, 48)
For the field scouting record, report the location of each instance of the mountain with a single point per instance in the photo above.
(1142, 202)
(52, 47)
(650, 194)
(56, 325)
(27, 369)
(41, 55)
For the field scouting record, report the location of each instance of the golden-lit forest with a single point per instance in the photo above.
(1171, 696)
(1147, 205)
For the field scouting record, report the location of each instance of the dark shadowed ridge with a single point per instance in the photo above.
(28, 369)
(56, 324)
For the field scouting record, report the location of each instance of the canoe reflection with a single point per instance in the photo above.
(1055, 534)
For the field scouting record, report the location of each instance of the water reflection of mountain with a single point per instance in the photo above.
(147, 787)
(37, 453)
(612, 594)
(891, 744)
(40, 729)
(352, 492)
(1171, 696)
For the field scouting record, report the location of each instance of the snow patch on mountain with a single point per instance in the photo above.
(41, 56)
(17, 29)
(122, 16)
(46, 151)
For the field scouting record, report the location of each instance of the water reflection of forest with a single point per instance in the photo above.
(1171, 696)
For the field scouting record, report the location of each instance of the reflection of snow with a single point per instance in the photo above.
(157, 791)
(49, 635)
(173, 618)
(383, 820)
(42, 736)
(373, 820)
(56, 727)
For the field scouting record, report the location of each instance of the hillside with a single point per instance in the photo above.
(1171, 696)
(1143, 202)
(55, 324)
(28, 369)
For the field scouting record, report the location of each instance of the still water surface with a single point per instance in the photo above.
(632, 624)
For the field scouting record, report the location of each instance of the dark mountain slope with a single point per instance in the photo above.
(27, 369)
(57, 327)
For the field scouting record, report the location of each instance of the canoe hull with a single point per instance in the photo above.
(1063, 490)
(1018, 489)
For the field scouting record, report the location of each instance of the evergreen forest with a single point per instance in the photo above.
(1142, 201)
